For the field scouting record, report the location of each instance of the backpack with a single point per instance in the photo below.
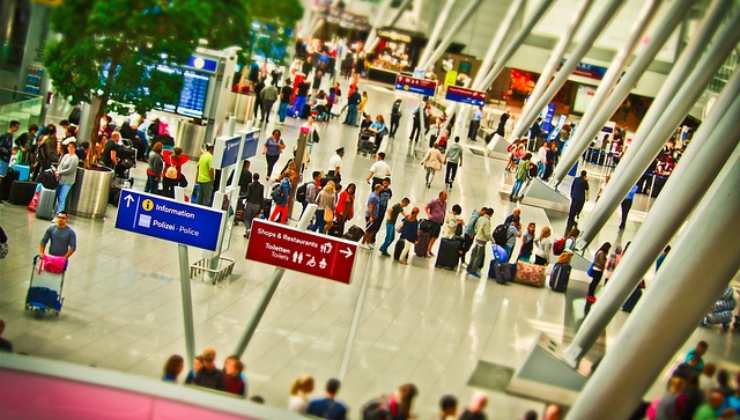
(559, 246)
(277, 192)
(376, 409)
(532, 170)
(300, 193)
(501, 234)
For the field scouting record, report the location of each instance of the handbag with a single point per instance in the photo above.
(328, 215)
(590, 271)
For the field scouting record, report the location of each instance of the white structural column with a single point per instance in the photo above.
(377, 23)
(590, 33)
(458, 23)
(708, 151)
(619, 62)
(515, 42)
(488, 60)
(680, 70)
(556, 56)
(439, 24)
(694, 275)
(721, 46)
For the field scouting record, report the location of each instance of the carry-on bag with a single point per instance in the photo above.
(422, 244)
(559, 277)
(449, 253)
(21, 192)
(45, 207)
(354, 234)
(504, 272)
(398, 248)
(530, 274)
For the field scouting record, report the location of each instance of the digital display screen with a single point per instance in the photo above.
(193, 94)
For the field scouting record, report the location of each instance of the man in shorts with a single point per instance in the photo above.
(436, 210)
(372, 217)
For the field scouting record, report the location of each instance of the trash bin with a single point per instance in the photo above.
(89, 195)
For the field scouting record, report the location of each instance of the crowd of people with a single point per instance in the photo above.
(696, 390)
(302, 397)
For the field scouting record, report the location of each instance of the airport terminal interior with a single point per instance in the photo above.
(569, 100)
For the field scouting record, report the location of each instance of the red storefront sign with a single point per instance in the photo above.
(307, 252)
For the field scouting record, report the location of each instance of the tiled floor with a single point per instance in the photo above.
(431, 327)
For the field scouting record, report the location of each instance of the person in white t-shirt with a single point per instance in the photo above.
(335, 164)
(379, 170)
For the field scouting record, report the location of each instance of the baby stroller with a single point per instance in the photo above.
(366, 143)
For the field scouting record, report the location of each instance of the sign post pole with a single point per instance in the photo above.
(187, 304)
(277, 275)
(359, 305)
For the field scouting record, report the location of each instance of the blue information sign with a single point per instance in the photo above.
(174, 221)
(413, 85)
(202, 63)
(251, 139)
(226, 151)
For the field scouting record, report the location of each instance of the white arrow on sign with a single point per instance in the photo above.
(346, 252)
(129, 199)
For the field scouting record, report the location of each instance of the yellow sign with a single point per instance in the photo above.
(147, 205)
(450, 78)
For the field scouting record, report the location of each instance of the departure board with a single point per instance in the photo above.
(193, 94)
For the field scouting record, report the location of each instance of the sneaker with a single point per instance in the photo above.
(476, 275)
(385, 254)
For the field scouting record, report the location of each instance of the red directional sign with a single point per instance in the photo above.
(307, 252)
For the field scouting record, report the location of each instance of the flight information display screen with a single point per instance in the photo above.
(193, 94)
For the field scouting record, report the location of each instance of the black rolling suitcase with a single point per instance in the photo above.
(420, 249)
(449, 253)
(559, 277)
(114, 196)
(505, 272)
(21, 192)
(7, 182)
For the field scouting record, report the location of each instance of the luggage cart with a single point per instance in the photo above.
(44, 291)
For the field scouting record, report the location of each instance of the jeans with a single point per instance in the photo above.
(300, 102)
(351, 117)
(594, 282)
(319, 223)
(430, 176)
(540, 169)
(271, 161)
(477, 257)
(206, 193)
(473, 130)
(626, 206)
(390, 235)
(450, 173)
(415, 132)
(517, 187)
(282, 111)
(62, 193)
(152, 184)
(394, 125)
(266, 110)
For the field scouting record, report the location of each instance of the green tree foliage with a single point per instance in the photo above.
(109, 48)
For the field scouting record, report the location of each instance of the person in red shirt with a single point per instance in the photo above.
(233, 382)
